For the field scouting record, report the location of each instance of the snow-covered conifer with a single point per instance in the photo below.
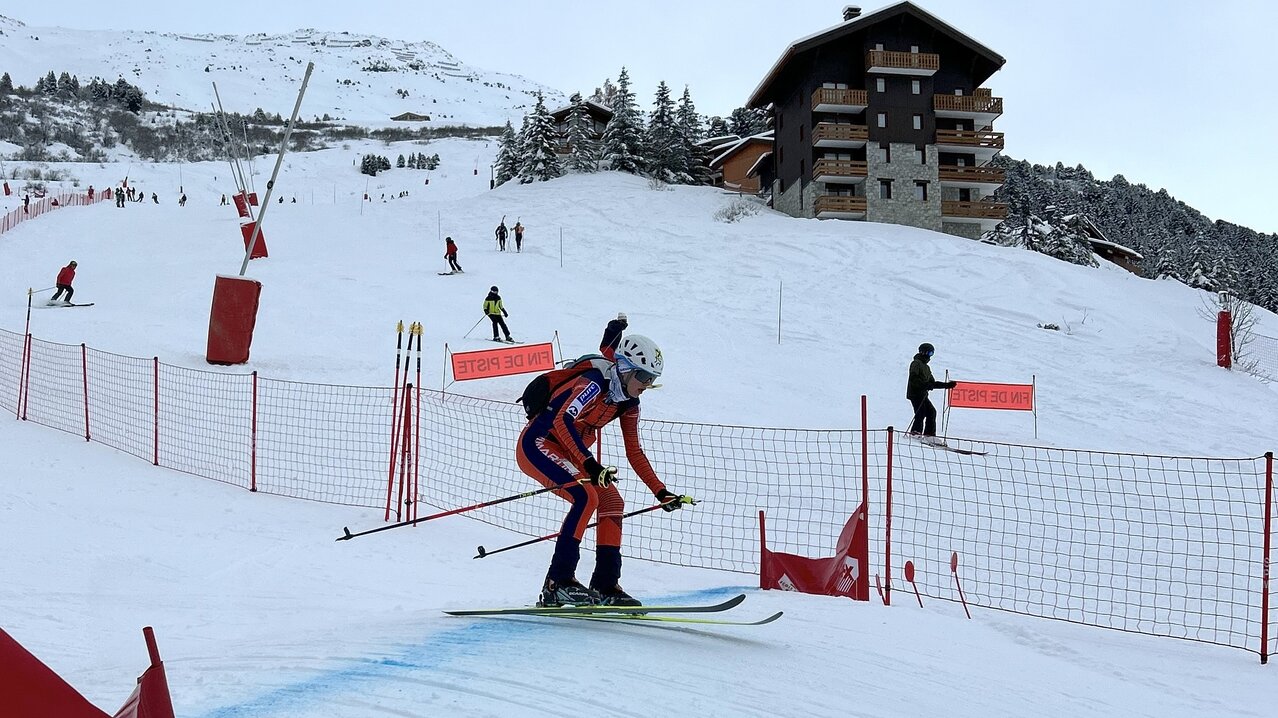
(623, 138)
(583, 149)
(540, 140)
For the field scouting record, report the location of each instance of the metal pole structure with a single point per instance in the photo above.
(279, 160)
(237, 171)
(561, 247)
(780, 292)
(248, 153)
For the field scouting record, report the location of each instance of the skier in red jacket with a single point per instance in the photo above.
(555, 449)
(65, 277)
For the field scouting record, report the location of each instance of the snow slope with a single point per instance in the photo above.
(266, 71)
(260, 613)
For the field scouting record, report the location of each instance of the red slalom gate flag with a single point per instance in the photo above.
(843, 574)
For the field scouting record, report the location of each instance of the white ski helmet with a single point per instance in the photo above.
(640, 352)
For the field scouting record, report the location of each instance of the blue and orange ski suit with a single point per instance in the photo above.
(553, 449)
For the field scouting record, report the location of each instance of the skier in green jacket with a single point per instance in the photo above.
(495, 311)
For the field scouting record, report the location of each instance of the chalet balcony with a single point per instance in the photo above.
(830, 206)
(827, 99)
(980, 108)
(887, 62)
(986, 214)
(829, 134)
(984, 145)
(983, 178)
(839, 171)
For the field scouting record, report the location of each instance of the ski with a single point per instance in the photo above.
(947, 447)
(666, 619)
(505, 341)
(86, 304)
(445, 274)
(601, 611)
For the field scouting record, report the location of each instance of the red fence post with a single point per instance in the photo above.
(155, 362)
(1264, 566)
(862, 547)
(1224, 348)
(253, 440)
(887, 527)
(84, 369)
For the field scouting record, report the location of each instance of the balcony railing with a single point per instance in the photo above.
(974, 210)
(922, 62)
(839, 203)
(833, 134)
(839, 168)
(826, 98)
(983, 175)
(970, 138)
(975, 104)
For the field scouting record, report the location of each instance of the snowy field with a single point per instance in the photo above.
(259, 613)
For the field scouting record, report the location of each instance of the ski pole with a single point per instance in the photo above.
(347, 535)
(467, 336)
(483, 553)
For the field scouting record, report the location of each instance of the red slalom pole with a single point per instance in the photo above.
(954, 570)
(909, 576)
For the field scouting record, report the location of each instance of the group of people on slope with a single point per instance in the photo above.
(501, 233)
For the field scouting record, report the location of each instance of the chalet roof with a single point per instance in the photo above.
(594, 108)
(735, 147)
(858, 24)
(1097, 238)
(720, 140)
(411, 116)
(754, 168)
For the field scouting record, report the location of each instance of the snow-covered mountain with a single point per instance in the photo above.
(363, 79)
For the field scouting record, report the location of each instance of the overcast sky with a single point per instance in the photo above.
(1170, 94)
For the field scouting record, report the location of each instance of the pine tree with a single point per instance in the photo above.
(412, 160)
(507, 155)
(623, 138)
(606, 95)
(744, 122)
(51, 83)
(400, 162)
(717, 127)
(6, 84)
(667, 156)
(583, 150)
(691, 133)
(540, 146)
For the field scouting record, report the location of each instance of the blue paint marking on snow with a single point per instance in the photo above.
(437, 650)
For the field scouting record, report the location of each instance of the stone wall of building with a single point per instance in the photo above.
(962, 229)
(903, 170)
(797, 200)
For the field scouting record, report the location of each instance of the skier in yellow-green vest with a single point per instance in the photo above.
(495, 311)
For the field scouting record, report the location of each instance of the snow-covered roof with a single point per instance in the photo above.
(848, 26)
(590, 104)
(1098, 238)
(738, 145)
(716, 141)
(754, 168)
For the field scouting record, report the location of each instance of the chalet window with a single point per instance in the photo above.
(961, 162)
(880, 85)
(958, 92)
(915, 87)
(965, 195)
(918, 122)
(878, 46)
(920, 190)
(780, 122)
(914, 49)
(885, 189)
(922, 155)
(802, 169)
(885, 152)
(801, 132)
(882, 119)
(834, 85)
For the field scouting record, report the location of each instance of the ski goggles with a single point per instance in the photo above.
(645, 377)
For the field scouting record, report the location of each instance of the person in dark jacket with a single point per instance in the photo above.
(502, 232)
(65, 277)
(450, 253)
(916, 389)
(519, 236)
(494, 310)
(612, 336)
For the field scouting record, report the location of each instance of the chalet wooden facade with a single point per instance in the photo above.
(599, 117)
(883, 118)
(411, 117)
(731, 163)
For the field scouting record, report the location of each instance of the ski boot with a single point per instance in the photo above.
(569, 593)
(615, 596)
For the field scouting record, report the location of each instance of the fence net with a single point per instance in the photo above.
(1167, 546)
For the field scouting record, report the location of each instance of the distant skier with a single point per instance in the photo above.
(26, 204)
(90, 193)
(519, 236)
(916, 389)
(65, 277)
(495, 311)
(182, 200)
(119, 197)
(502, 232)
(155, 198)
(450, 253)
(555, 450)
(223, 200)
(612, 336)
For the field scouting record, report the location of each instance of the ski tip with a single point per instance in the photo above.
(482, 553)
(346, 534)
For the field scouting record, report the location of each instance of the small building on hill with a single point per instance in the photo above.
(411, 117)
(731, 163)
(1125, 257)
(599, 118)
